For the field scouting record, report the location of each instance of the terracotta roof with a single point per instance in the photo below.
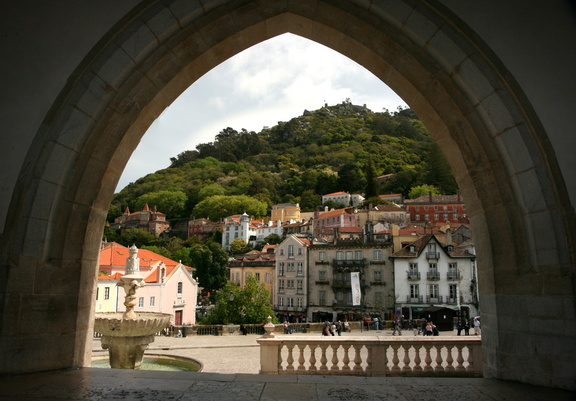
(344, 230)
(336, 193)
(336, 212)
(115, 254)
(420, 245)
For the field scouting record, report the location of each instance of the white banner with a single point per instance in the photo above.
(356, 293)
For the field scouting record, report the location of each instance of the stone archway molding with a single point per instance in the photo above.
(491, 136)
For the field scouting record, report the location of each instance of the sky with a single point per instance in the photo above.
(273, 81)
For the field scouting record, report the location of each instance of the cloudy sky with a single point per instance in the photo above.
(273, 81)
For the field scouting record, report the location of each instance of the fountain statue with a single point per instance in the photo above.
(128, 335)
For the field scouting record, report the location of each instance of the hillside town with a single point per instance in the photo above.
(411, 257)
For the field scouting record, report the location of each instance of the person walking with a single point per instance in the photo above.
(466, 327)
(476, 326)
(339, 328)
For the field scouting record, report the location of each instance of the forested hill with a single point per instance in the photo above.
(335, 148)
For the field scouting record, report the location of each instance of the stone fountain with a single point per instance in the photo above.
(127, 335)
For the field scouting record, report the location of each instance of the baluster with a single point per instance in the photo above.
(369, 349)
(313, 367)
(334, 367)
(460, 359)
(439, 362)
(470, 359)
(427, 358)
(323, 358)
(346, 359)
(406, 361)
(417, 359)
(449, 358)
(290, 360)
(357, 358)
(395, 359)
(301, 359)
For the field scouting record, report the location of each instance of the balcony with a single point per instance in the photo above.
(349, 263)
(346, 284)
(322, 262)
(434, 299)
(453, 275)
(415, 300)
(378, 282)
(451, 300)
(432, 255)
(322, 281)
(413, 276)
(433, 275)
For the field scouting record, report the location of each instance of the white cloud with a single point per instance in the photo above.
(273, 81)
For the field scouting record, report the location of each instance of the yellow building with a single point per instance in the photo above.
(285, 212)
(259, 264)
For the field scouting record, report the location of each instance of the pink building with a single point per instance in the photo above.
(170, 287)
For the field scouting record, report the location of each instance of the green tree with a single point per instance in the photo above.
(273, 239)
(420, 190)
(248, 305)
(371, 189)
(217, 207)
(138, 237)
(171, 203)
(239, 246)
(211, 263)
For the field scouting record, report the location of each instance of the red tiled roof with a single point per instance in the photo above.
(337, 193)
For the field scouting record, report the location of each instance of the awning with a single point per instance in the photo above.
(418, 308)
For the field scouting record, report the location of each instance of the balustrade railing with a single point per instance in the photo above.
(426, 356)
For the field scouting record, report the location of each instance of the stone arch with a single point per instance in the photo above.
(473, 108)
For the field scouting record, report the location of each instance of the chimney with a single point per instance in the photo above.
(430, 196)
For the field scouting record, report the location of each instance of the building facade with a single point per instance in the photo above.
(285, 212)
(439, 209)
(343, 198)
(429, 274)
(148, 220)
(259, 264)
(329, 276)
(290, 298)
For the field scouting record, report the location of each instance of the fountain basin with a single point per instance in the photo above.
(157, 362)
(127, 339)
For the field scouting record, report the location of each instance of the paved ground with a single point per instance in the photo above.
(230, 367)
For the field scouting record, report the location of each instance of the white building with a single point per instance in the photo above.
(291, 279)
(343, 198)
(238, 227)
(427, 273)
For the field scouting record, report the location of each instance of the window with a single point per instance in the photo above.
(339, 296)
(339, 255)
(436, 216)
(257, 275)
(290, 251)
(281, 301)
(446, 216)
(358, 255)
(433, 290)
(300, 268)
(426, 217)
(349, 298)
(299, 251)
(455, 216)
(453, 290)
(290, 266)
(290, 302)
(378, 254)
(417, 208)
(281, 285)
(248, 274)
(321, 298)
(322, 275)
(267, 277)
(417, 217)
(299, 285)
(281, 251)
(322, 256)
(106, 292)
(349, 255)
(452, 267)
(433, 267)
(180, 287)
(141, 302)
(435, 207)
(378, 275)
(300, 302)
(152, 301)
(425, 207)
(413, 268)
(281, 269)
(289, 283)
(414, 291)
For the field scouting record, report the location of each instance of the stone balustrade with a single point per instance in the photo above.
(372, 356)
